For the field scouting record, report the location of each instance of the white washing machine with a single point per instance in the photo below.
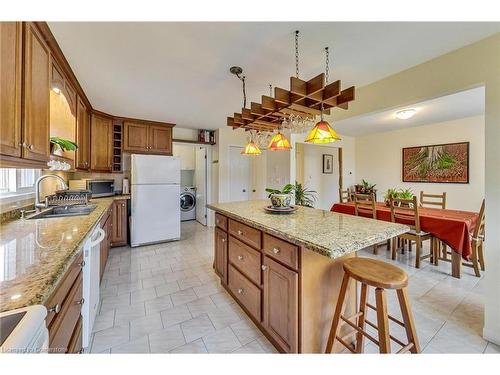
(188, 203)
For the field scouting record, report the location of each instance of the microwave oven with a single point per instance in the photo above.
(98, 187)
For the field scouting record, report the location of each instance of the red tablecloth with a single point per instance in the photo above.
(450, 226)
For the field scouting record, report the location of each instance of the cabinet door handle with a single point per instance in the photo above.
(276, 250)
(55, 309)
(80, 302)
(264, 267)
(240, 291)
(30, 147)
(240, 232)
(223, 240)
(82, 264)
(240, 257)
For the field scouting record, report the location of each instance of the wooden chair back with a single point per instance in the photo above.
(479, 229)
(427, 200)
(405, 211)
(344, 195)
(364, 205)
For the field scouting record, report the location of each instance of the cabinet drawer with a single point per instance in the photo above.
(282, 251)
(221, 221)
(245, 233)
(245, 292)
(62, 331)
(58, 297)
(246, 259)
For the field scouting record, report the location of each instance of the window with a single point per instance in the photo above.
(17, 181)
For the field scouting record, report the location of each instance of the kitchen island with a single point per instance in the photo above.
(285, 271)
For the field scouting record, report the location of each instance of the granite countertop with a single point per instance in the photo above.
(328, 233)
(36, 253)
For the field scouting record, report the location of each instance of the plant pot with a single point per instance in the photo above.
(280, 201)
(56, 149)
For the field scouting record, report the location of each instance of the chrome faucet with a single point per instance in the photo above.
(38, 204)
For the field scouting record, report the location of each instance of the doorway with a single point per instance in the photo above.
(200, 178)
(239, 175)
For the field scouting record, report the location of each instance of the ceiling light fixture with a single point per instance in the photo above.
(279, 143)
(322, 131)
(251, 149)
(405, 114)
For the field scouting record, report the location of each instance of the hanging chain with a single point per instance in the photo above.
(327, 70)
(297, 53)
(244, 92)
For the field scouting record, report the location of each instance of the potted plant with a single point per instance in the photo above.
(58, 145)
(304, 196)
(281, 198)
(400, 194)
(390, 193)
(365, 187)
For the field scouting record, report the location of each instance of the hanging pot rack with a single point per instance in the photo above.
(305, 98)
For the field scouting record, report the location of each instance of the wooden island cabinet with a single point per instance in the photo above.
(286, 277)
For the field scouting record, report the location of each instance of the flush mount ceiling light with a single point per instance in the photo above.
(405, 114)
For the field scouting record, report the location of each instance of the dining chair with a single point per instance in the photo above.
(477, 244)
(405, 211)
(344, 195)
(365, 205)
(434, 201)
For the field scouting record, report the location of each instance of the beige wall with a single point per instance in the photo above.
(378, 159)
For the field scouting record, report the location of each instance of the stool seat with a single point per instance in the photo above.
(376, 273)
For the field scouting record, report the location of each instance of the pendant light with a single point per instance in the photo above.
(279, 143)
(322, 131)
(251, 149)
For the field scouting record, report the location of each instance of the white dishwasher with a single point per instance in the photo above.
(91, 282)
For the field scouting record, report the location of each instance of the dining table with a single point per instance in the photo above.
(452, 227)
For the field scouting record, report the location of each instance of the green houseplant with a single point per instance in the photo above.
(397, 194)
(281, 198)
(58, 145)
(365, 187)
(304, 196)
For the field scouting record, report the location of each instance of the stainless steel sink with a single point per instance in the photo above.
(63, 211)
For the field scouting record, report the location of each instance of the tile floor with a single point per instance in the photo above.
(166, 299)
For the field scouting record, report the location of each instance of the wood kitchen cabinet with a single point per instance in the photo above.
(36, 103)
(220, 254)
(82, 136)
(10, 89)
(64, 311)
(119, 223)
(107, 226)
(101, 145)
(281, 304)
(142, 137)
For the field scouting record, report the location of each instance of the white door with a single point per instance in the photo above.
(200, 178)
(239, 175)
(259, 176)
(156, 214)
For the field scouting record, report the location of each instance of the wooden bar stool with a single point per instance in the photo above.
(379, 275)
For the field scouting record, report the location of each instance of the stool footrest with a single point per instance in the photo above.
(357, 329)
(405, 349)
(389, 316)
(397, 341)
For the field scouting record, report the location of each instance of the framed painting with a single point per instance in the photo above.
(444, 163)
(327, 163)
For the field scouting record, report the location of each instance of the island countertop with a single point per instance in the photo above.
(328, 233)
(37, 252)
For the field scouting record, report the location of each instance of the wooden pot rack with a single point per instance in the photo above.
(304, 99)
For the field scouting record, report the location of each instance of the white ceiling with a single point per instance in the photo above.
(446, 108)
(178, 72)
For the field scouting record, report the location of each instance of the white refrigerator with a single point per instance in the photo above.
(155, 193)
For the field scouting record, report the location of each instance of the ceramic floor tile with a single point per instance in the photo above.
(158, 304)
(167, 288)
(223, 341)
(175, 315)
(110, 337)
(221, 299)
(139, 346)
(252, 347)
(189, 282)
(492, 349)
(246, 331)
(142, 295)
(195, 347)
(207, 289)
(197, 327)
(125, 314)
(145, 325)
(183, 296)
(201, 306)
(223, 317)
(153, 281)
(162, 341)
(104, 321)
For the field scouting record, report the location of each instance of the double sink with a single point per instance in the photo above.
(63, 211)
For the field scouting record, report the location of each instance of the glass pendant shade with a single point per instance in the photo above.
(279, 143)
(251, 149)
(322, 133)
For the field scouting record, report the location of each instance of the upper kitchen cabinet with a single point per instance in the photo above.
(10, 88)
(82, 136)
(101, 149)
(35, 143)
(143, 137)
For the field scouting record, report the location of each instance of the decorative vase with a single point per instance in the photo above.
(280, 201)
